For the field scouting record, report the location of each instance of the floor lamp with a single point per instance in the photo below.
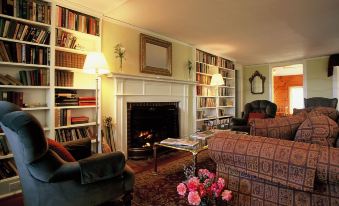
(96, 63)
(217, 80)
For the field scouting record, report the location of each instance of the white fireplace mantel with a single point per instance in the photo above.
(135, 88)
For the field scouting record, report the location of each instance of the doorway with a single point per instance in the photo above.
(288, 88)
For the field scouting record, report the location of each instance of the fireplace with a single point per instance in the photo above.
(150, 122)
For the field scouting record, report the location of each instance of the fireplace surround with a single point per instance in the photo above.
(148, 89)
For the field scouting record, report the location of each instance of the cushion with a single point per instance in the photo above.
(302, 111)
(318, 130)
(281, 127)
(256, 115)
(316, 111)
(60, 150)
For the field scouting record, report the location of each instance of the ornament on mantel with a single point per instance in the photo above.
(120, 52)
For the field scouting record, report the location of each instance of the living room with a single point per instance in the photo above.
(171, 69)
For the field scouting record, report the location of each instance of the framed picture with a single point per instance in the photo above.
(155, 55)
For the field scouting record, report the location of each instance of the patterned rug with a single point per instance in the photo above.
(160, 189)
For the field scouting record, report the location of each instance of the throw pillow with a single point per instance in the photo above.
(60, 150)
(302, 111)
(281, 127)
(255, 115)
(327, 111)
(318, 130)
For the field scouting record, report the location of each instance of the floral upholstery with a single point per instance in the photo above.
(281, 128)
(267, 171)
(318, 130)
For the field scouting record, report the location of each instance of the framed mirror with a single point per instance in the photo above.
(257, 82)
(155, 55)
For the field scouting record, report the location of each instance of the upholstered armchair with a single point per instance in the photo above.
(320, 102)
(255, 109)
(47, 179)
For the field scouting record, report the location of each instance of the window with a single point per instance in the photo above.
(296, 97)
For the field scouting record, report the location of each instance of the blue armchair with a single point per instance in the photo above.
(47, 179)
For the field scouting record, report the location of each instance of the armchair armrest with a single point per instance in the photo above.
(239, 121)
(101, 167)
(79, 149)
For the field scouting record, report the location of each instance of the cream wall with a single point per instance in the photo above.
(316, 81)
(113, 34)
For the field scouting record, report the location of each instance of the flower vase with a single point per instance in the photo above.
(120, 64)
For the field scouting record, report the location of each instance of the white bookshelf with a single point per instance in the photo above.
(41, 99)
(223, 96)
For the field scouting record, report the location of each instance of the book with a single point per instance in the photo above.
(180, 142)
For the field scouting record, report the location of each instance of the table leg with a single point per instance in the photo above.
(155, 171)
(195, 163)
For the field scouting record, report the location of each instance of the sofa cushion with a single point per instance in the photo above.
(316, 111)
(318, 129)
(60, 150)
(281, 128)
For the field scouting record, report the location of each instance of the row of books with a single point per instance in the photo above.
(206, 57)
(23, 32)
(8, 169)
(65, 135)
(11, 96)
(206, 102)
(202, 79)
(63, 117)
(8, 80)
(37, 77)
(64, 78)
(34, 10)
(203, 68)
(225, 63)
(225, 73)
(68, 59)
(225, 92)
(4, 149)
(23, 53)
(226, 102)
(7, 7)
(205, 91)
(77, 21)
(65, 39)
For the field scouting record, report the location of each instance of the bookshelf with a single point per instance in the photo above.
(43, 45)
(215, 106)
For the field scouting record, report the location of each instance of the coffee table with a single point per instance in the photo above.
(193, 150)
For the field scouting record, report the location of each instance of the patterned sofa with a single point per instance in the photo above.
(292, 165)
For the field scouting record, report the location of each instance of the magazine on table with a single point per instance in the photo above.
(202, 135)
(179, 142)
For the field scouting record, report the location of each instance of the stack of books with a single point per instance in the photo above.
(9, 80)
(79, 120)
(87, 101)
(180, 142)
(65, 97)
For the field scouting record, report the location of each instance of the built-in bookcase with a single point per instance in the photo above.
(215, 106)
(43, 45)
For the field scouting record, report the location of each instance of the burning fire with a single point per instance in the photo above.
(145, 134)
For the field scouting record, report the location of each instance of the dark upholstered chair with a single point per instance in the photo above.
(47, 179)
(262, 106)
(320, 102)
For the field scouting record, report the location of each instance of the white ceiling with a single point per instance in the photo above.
(249, 31)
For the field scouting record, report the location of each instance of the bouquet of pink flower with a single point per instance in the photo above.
(204, 189)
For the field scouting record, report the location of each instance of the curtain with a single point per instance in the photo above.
(332, 62)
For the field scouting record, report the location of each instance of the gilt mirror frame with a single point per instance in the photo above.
(257, 82)
(155, 55)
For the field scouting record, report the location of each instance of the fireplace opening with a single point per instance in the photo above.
(150, 122)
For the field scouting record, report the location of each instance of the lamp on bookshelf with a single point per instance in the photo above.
(217, 80)
(95, 63)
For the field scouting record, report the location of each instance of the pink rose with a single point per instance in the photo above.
(194, 198)
(181, 189)
(221, 182)
(202, 191)
(193, 184)
(203, 172)
(227, 195)
(211, 175)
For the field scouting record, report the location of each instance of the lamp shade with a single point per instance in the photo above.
(96, 63)
(217, 80)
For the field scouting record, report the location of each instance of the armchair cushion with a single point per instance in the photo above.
(318, 130)
(80, 148)
(256, 115)
(60, 150)
(239, 121)
(101, 167)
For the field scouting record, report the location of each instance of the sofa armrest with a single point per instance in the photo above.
(239, 121)
(101, 167)
(79, 149)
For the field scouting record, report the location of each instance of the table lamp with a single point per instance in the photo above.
(95, 63)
